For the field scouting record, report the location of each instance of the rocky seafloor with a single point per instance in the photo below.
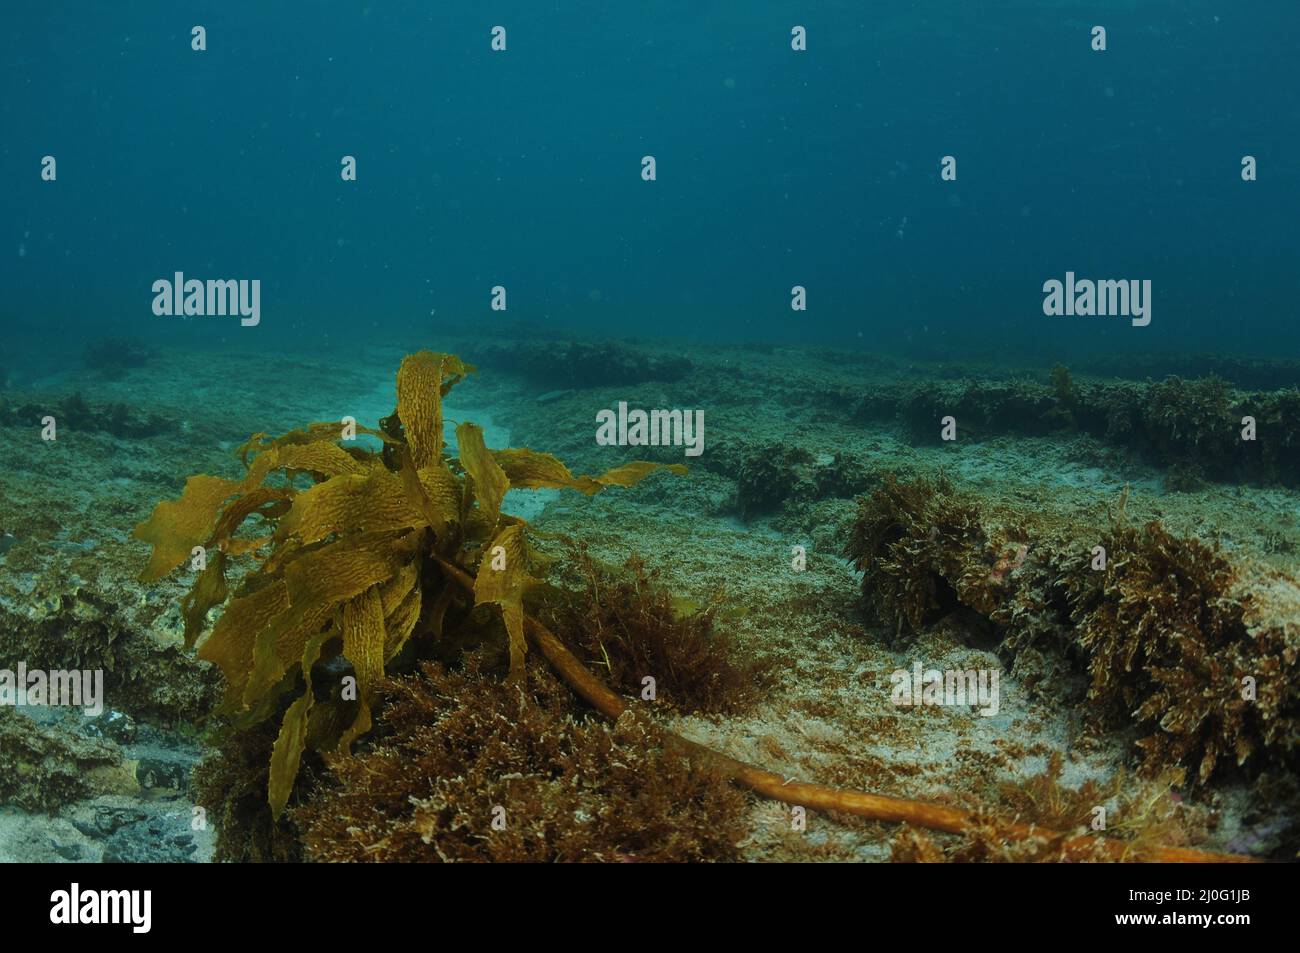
(793, 439)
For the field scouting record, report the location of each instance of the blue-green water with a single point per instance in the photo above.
(775, 168)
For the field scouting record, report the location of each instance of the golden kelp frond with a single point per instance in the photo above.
(317, 582)
(490, 481)
(262, 499)
(444, 492)
(286, 755)
(177, 526)
(454, 370)
(356, 562)
(420, 406)
(344, 569)
(400, 623)
(399, 601)
(263, 632)
(209, 590)
(328, 430)
(630, 474)
(530, 469)
(363, 645)
(503, 578)
(394, 592)
(369, 502)
(242, 547)
(230, 646)
(434, 492)
(320, 457)
(285, 552)
(422, 381)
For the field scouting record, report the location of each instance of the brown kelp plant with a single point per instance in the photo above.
(349, 559)
(330, 557)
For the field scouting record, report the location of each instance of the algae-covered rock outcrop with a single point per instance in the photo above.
(771, 477)
(44, 767)
(1201, 652)
(1199, 423)
(1242, 371)
(61, 623)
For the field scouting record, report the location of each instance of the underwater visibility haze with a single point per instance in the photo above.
(571, 431)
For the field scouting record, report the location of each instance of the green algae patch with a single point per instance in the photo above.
(351, 565)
